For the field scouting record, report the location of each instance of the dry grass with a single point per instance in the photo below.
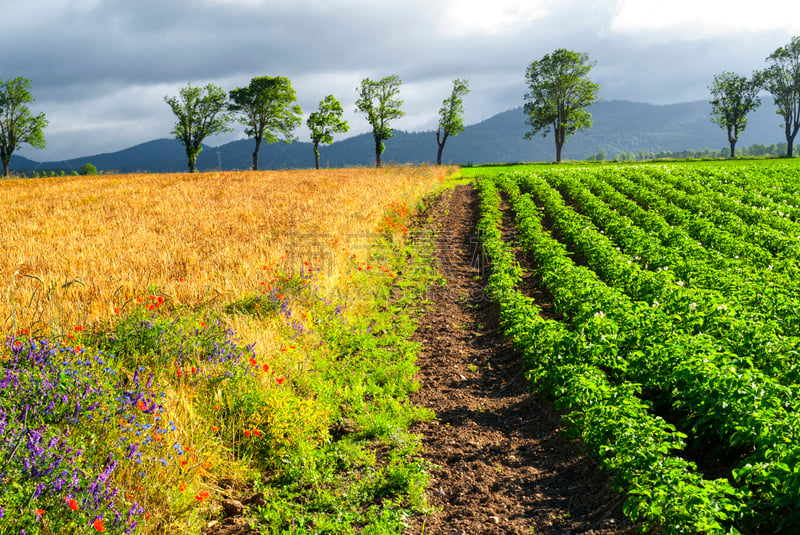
(77, 248)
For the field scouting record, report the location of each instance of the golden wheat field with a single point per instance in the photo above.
(77, 249)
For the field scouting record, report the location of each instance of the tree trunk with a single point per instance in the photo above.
(6, 161)
(441, 147)
(316, 155)
(561, 137)
(790, 129)
(255, 153)
(733, 149)
(378, 151)
(191, 153)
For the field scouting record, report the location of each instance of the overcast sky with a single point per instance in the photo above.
(100, 69)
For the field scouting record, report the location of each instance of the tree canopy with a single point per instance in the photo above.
(451, 116)
(200, 113)
(782, 79)
(377, 100)
(18, 125)
(733, 97)
(325, 122)
(559, 92)
(266, 109)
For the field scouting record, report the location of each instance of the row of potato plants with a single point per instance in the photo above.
(706, 184)
(765, 198)
(679, 285)
(710, 235)
(615, 424)
(720, 398)
(763, 187)
(777, 284)
(778, 242)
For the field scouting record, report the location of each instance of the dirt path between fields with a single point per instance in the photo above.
(502, 464)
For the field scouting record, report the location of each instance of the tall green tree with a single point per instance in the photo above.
(451, 116)
(377, 100)
(782, 79)
(266, 108)
(200, 113)
(559, 92)
(17, 124)
(325, 122)
(733, 97)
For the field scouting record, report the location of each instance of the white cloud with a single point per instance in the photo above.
(496, 17)
(661, 20)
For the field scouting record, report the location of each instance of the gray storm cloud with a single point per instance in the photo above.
(100, 69)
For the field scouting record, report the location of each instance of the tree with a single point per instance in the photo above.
(559, 92)
(325, 122)
(734, 97)
(782, 79)
(88, 169)
(376, 99)
(17, 124)
(200, 113)
(451, 116)
(265, 109)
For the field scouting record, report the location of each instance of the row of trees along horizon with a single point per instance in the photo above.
(559, 91)
(267, 108)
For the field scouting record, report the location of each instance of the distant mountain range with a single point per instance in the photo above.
(618, 127)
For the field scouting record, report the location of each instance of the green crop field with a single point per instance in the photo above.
(675, 329)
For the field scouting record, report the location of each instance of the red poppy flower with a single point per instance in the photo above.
(246, 432)
(98, 525)
(266, 367)
(141, 405)
(39, 512)
(200, 496)
(73, 505)
(280, 379)
(182, 486)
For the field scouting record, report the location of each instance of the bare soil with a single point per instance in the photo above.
(502, 463)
